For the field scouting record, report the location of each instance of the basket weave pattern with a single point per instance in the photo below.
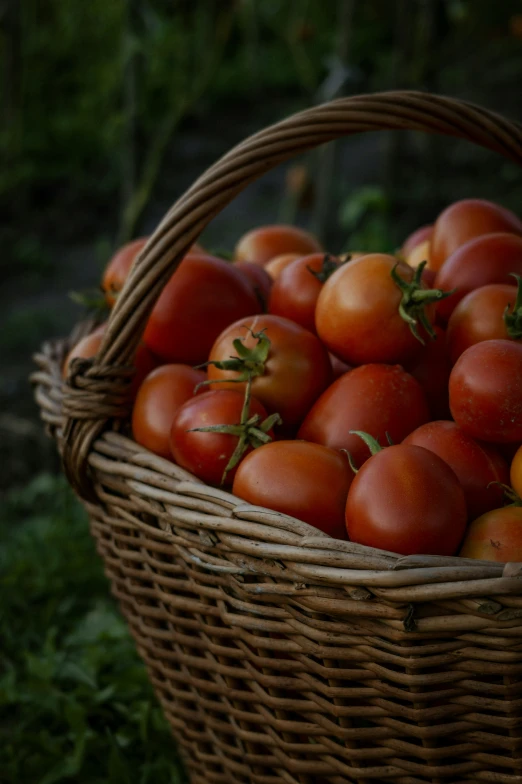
(281, 656)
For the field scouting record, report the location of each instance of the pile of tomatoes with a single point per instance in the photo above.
(375, 396)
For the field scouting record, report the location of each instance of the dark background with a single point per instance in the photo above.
(110, 109)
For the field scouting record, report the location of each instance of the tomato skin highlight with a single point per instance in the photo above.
(296, 290)
(480, 316)
(265, 242)
(304, 480)
(465, 220)
(515, 472)
(159, 397)
(476, 465)
(407, 500)
(357, 315)
(490, 258)
(201, 298)
(298, 368)
(485, 391)
(418, 237)
(204, 454)
(495, 536)
(376, 399)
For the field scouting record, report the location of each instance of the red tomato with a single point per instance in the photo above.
(377, 399)
(432, 370)
(485, 391)
(88, 347)
(416, 238)
(488, 259)
(357, 314)
(297, 370)
(496, 536)
(480, 316)
(407, 500)
(202, 297)
(515, 472)
(263, 243)
(295, 292)
(206, 454)
(159, 397)
(259, 278)
(475, 465)
(307, 481)
(118, 268)
(464, 220)
(419, 254)
(275, 266)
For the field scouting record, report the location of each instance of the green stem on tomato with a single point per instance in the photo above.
(329, 265)
(513, 320)
(509, 494)
(249, 362)
(415, 299)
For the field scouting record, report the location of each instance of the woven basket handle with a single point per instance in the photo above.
(96, 394)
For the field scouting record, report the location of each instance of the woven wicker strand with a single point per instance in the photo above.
(280, 655)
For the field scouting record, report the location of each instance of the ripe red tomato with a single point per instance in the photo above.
(307, 481)
(263, 243)
(259, 278)
(275, 266)
(118, 268)
(297, 370)
(377, 399)
(207, 454)
(88, 347)
(202, 297)
(515, 472)
(464, 220)
(407, 500)
(487, 259)
(480, 316)
(357, 315)
(485, 391)
(476, 465)
(416, 238)
(296, 290)
(496, 536)
(159, 397)
(432, 370)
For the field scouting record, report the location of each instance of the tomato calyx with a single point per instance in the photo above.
(250, 431)
(513, 320)
(249, 363)
(328, 267)
(414, 300)
(371, 442)
(511, 497)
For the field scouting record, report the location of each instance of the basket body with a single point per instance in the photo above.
(279, 655)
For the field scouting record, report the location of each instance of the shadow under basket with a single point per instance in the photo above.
(280, 655)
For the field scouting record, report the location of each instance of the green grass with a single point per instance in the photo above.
(75, 703)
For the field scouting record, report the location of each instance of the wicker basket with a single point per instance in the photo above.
(280, 655)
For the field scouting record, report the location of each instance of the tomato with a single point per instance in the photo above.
(464, 220)
(407, 500)
(275, 266)
(432, 370)
(118, 268)
(377, 399)
(357, 314)
(88, 347)
(419, 254)
(338, 366)
(484, 260)
(296, 290)
(416, 238)
(202, 297)
(485, 391)
(307, 481)
(481, 316)
(295, 373)
(159, 397)
(207, 454)
(263, 243)
(515, 472)
(259, 278)
(476, 465)
(496, 536)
